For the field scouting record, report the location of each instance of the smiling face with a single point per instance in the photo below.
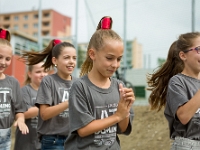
(37, 73)
(107, 60)
(191, 59)
(65, 62)
(5, 57)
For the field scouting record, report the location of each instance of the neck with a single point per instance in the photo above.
(2, 76)
(99, 80)
(34, 86)
(195, 75)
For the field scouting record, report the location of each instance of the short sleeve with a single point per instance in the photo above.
(176, 96)
(80, 111)
(19, 102)
(26, 97)
(44, 95)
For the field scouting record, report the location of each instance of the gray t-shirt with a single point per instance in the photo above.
(52, 91)
(30, 140)
(88, 102)
(181, 89)
(10, 101)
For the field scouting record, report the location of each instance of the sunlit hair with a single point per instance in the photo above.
(32, 58)
(97, 42)
(158, 81)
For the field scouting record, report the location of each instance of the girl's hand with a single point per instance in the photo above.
(22, 126)
(123, 105)
(129, 97)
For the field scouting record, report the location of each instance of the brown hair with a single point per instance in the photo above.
(97, 42)
(32, 58)
(158, 81)
(28, 79)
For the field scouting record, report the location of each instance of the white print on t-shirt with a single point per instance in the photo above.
(106, 136)
(5, 94)
(64, 94)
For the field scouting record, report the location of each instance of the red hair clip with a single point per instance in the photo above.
(3, 34)
(106, 23)
(56, 41)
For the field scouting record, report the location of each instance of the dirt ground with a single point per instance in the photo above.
(150, 131)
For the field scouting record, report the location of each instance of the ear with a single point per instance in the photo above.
(29, 74)
(182, 56)
(91, 53)
(54, 60)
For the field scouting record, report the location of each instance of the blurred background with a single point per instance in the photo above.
(148, 28)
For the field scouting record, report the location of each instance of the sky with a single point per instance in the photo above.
(154, 23)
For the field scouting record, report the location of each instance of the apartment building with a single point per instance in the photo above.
(52, 23)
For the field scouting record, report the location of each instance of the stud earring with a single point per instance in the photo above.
(55, 65)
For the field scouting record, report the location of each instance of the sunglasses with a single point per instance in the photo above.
(196, 49)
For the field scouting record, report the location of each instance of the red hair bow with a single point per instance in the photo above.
(56, 41)
(106, 23)
(3, 34)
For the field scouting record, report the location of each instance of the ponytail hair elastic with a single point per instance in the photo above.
(105, 23)
(4, 34)
(56, 41)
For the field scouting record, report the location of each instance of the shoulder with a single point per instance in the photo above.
(26, 87)
(12, 79)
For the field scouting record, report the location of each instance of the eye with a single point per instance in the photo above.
(109, 58)
(8, 59)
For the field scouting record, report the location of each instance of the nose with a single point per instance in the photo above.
(115, 64)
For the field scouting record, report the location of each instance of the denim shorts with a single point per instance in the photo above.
(181, 143)
(53, 142)
(5, 140)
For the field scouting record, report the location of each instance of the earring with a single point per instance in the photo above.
(55, 65)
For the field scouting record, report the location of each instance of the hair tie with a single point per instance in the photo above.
(3, 34)
(56, 41)
(106, 23)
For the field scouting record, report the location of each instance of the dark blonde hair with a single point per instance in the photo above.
(158, 81)
(28, 79)
(32, 58)
(97, 42)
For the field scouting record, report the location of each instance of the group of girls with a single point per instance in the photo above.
(60, 111)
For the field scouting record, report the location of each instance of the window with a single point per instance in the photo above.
(35, 16)
(26, 17)
(25, 26)
(6, 26)
(16, 18)
(45, 33)
(16, 27)
(45, 23)
(35, 25)
(46, 15)
(6, 18)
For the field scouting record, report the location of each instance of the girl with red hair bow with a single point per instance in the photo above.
(99, 104)
(53, 93)
(11, 104)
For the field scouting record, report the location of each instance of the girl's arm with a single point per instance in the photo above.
(47, 112)
(20, 123)
(123, 109)
(31, 112)
(187, 111)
